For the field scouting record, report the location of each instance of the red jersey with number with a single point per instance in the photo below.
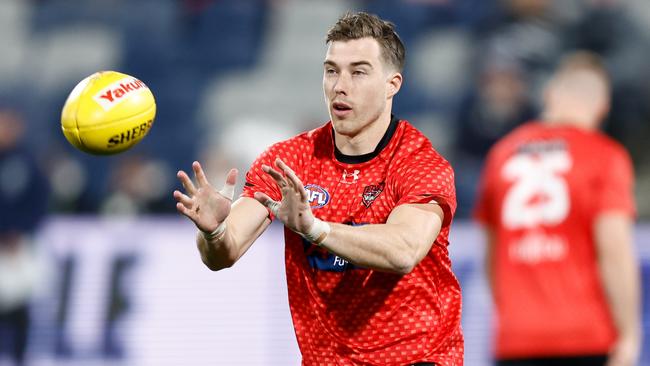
(542, 188)
(347, 315)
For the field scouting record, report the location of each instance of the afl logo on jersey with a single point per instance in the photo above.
(317, 196)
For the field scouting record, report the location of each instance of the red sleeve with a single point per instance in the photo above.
(425, 179)
(258, 181)
(616, 184)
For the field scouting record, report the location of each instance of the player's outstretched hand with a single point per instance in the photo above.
(203, 204)
(293, 210)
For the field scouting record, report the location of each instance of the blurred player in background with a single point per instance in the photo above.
(367, 205)
(556, 202)
(23, 203)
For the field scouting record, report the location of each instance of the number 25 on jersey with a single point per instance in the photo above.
(539, 194)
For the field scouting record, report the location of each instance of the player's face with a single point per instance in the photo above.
(357, 83)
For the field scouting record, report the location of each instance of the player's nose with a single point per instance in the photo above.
(342, 84)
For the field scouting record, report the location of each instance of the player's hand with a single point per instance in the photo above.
(625, 352)
(293, 210)
(203, 204)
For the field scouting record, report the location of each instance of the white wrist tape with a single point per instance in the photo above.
(318, 232)
(274, 207)
(217, 233)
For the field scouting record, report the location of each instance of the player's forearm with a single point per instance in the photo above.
(217, 253)
(247, 221)
(388, 247)
(223, 251)
(489, 259)
(620, 274)
(622, 287)
(621, 282)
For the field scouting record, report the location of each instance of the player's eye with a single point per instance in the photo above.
(330, 71)
(359, 72)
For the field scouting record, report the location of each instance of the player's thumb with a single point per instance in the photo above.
(272, 205)
(228, 189)
(262, 198)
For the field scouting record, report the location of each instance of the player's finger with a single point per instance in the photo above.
(287, 170)
(272, 172)
(279, 179)
(187, 182)
(304, 196)
(296, 184)
(201, 179)
(183, 198)
(290, 183)
(293, 179)
(282, 165)
(228, 189)
(272, 205)
(185, 211)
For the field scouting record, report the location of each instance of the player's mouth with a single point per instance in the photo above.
(340, 109)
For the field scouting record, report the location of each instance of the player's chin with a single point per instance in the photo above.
(344, 127)
(341, 122)
(337, 122)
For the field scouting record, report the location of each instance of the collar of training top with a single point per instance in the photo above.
(358, 159)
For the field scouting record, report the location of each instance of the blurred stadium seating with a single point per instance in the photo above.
(215, 63)
(232, 76)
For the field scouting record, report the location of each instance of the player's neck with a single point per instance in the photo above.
(573, 118)
(366, 140)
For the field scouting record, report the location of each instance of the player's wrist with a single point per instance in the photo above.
(318, 232)
(217, 234)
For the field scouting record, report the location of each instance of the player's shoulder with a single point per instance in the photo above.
(611, 153)
(526, 132)
(416, 164)
(303, 142)
(591, 142)
(415, 149)
(412, 141)
(583, 140)
(609, 144)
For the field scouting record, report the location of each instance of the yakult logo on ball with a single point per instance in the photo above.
(117, 92)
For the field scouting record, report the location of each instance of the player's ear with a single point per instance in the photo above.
(394, 83)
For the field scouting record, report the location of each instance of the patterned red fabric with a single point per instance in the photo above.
(542, 189)
(347, 315)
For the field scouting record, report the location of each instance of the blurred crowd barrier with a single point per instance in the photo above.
(134, 292)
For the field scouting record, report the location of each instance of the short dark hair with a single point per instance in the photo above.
(361, 25)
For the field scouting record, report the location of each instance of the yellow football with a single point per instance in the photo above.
(108, 112)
